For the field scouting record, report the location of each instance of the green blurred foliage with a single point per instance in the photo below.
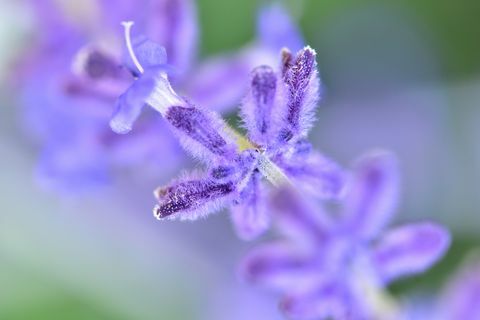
(454, 26)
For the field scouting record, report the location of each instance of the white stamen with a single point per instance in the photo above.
(128, 25)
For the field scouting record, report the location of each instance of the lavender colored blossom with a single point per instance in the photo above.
(276, 102)
(71, 78)
(461, 297)
(337, 266)
(69, 87)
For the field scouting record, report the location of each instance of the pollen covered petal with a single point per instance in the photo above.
(301, 94)
(190, 199)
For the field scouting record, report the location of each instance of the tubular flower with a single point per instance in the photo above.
(338, 267)
(277, 114)
(70, 79)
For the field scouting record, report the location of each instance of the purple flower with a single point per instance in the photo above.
(69, 83)
(337, 266)
(277, 114)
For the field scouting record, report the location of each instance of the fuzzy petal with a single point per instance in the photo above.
(250, 215)
(409, 249)
(301, 94)
(201, 132)
(277, 30)
(278, 266)
(257, 106)
(372, 195)
(191, 198)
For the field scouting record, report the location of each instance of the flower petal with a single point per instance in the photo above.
(326, 300)
(373, 194)
(257, 107)
(250, 215)
(149, 54)
(314, 173)
(462, 295)
(220, 82)
(409, 249)
(173, 24)
(301, 83)
(278, 266)
(277, 30)
(191, 198)
(130, 104)
(298, 219)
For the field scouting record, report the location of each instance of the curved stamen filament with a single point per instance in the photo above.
(128, 41)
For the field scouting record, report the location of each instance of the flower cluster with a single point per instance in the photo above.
(336, 266)
(71, 78)
(277, 114)
(334, 256)
(331, 266)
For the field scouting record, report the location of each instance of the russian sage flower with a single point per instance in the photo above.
(277, 114)
(338, 265)
(70, 79)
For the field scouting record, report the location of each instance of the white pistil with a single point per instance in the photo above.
(128, 26)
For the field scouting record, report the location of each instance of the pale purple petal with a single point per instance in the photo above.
(130, 104)
(301, 94)
(148, 53)
(114, 12)
(192, 197)
(221, 82)
(314, 173)
(257, 106)
(461, 299)
(409, 249)
(75, 167)
(277, 30)
(372, 195)
(173, 24)
(201, 132)
(250, 216)
(299, 219)
(96, 64)
(326, 300)
(278, 266)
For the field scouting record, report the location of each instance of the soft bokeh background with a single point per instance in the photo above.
(402, 75)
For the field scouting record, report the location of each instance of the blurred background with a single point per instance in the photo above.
(399, 75)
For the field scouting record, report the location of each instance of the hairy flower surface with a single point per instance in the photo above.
(337, 266)
(277, 114)
(71, 78)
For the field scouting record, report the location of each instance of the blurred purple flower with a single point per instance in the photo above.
(337, 266)
(70, 81)
(461, 297)
(277, 114)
